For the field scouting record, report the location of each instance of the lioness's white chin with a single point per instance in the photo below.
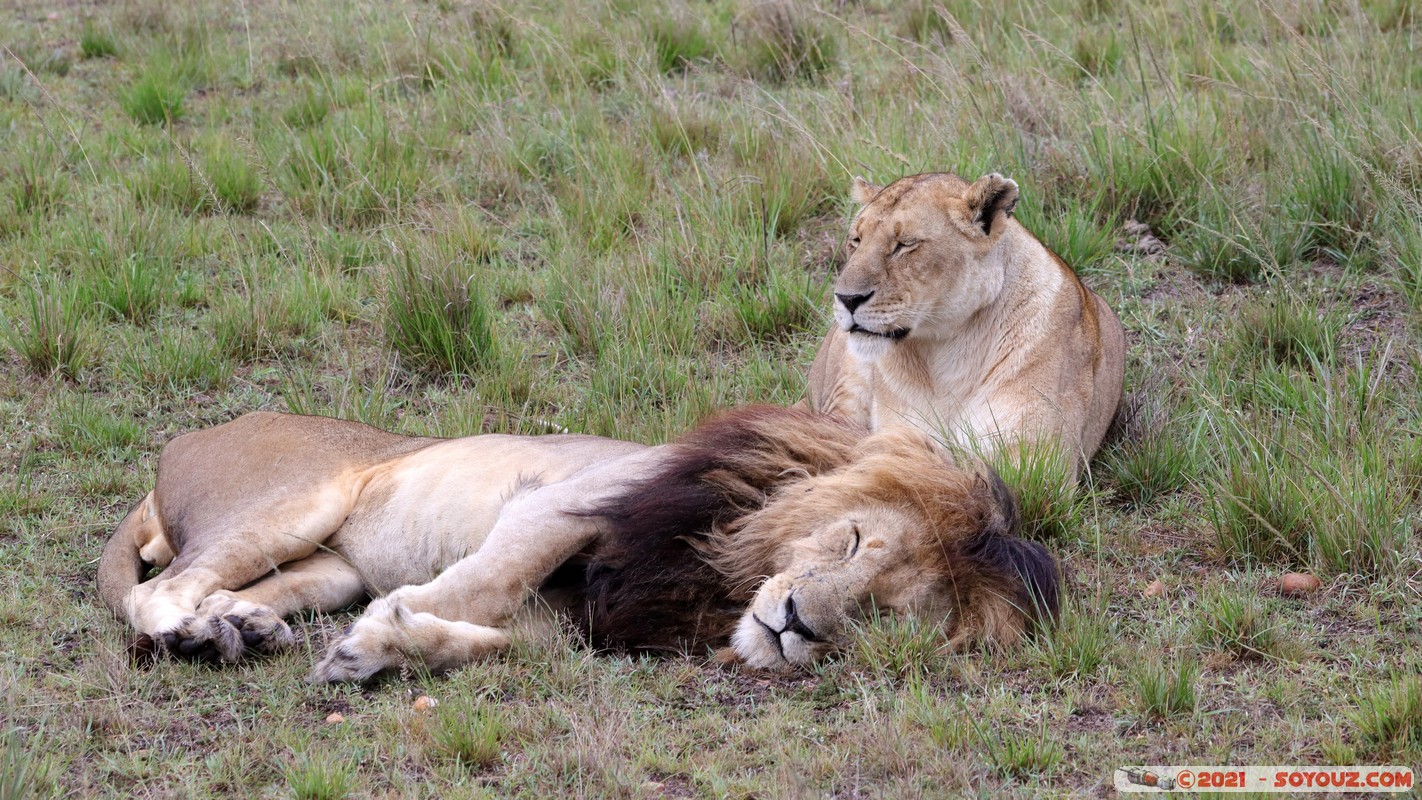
(868, 346)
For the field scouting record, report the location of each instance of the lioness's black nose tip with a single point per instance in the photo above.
(852, 301)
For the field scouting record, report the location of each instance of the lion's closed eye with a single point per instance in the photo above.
(853, 542)
(904, 245)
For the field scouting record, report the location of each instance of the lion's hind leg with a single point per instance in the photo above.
(229, 557)
(231, 624)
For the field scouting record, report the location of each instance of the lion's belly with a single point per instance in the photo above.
(423, 512)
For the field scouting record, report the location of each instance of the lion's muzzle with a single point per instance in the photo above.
(779, 636)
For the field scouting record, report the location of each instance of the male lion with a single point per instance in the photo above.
(955, 319)
(665, 546)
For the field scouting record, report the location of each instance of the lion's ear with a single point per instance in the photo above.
(862, 191)
(988, 197)
(1004, 517)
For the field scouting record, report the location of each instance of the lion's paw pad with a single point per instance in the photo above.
(203, 639)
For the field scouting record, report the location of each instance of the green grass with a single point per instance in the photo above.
(439, 317)
(312, 778)
(471, 738)
(1031, 754)
(155, 98)
(613, 218)
(96, 42)
(1239, 625)
(1165, 692)
(1388, 721)
(21, 774)
(1052, 508)
(48, 332)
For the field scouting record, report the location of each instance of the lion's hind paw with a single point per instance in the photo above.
(237, 631)
(203, 639)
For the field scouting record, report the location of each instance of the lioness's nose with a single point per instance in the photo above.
(852, 301)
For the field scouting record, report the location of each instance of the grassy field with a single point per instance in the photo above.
(451, 217)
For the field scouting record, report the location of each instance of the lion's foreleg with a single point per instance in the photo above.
(387, 636)
(461, 615)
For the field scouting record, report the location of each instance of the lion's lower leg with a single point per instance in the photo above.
(388, 636)
(167, 607)
(250, 619)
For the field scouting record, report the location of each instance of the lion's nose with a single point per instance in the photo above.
(852, 301)
(793, 623)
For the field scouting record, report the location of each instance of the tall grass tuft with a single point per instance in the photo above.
(132, 289)
(1237, 624)
(1022, 755)
(779, 43)
(24, 772)
(1076, 646)
(155, 98)
(49, 333)
(678, 43)
(89, 428)
(1163, 692)
(471, 738)
(313, 778)
(177, 360)
(438, 317)
(1052, 508)
(900, 647)
(97, 42)
(924, 22)
(1388, 720)
(1149, 459)
(1259, 506)
(1287, 331)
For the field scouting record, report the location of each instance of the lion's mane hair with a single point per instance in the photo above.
(686, 549)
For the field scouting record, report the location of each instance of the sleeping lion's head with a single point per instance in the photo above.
(920, 258)
(806, 524)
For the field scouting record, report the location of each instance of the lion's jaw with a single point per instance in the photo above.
(860, 562)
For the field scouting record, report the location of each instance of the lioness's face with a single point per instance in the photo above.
(918, 263)
(868, 558)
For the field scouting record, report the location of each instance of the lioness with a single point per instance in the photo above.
(271, 514)
(955, 319)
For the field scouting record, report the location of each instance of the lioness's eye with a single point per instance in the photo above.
(853, 242)
(853, 543)
(904, 246)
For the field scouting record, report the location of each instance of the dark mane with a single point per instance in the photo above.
(648, 588)
(1021, 569)
(683, 552)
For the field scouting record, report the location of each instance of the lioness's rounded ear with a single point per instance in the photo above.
(862, 191)
(988, 196)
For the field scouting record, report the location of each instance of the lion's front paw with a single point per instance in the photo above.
(225, 629)
(367, 648)
(388, 636)
(347, 660)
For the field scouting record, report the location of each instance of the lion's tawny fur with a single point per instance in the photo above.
(748, 528)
